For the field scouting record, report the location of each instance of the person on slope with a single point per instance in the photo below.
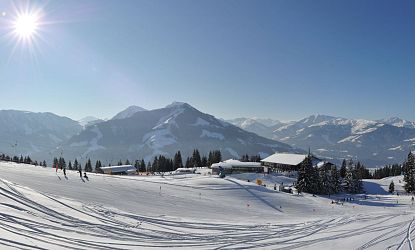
(85, 176)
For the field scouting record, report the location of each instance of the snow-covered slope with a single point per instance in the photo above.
(128, 112)
(41, 209)
(164, 131)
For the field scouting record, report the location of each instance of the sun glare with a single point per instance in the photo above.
(25, 29)
(26, 25)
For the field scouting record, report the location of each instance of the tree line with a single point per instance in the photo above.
(21, 159)
(159, 164)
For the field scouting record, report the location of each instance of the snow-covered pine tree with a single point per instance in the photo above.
(324, 183)
(349, 182)
(409, 173)
(358, 176)
(335, 182)
(343, 169)
(305, 176)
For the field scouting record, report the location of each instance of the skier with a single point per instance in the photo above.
(80, 173)
(64, 171)
(86, 177)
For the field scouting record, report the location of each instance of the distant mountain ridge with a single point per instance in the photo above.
(375, 143)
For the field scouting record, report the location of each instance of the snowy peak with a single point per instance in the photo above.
(89, 120)
(179, 105)
(315, 119)
(128, 112)
(398, 122)
(246, 122)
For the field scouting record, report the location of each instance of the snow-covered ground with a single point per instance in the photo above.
(40, 209)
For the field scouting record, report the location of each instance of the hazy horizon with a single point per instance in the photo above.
(218, 117)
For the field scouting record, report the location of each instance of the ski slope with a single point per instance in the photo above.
(41, 209)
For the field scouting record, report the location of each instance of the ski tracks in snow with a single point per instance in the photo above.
(34, 220)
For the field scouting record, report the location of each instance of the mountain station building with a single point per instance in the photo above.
(234, 166)
(288, 162)
(119, 170)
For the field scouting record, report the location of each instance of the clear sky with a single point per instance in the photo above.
(277, 59)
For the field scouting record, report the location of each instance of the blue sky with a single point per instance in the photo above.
(277, 59)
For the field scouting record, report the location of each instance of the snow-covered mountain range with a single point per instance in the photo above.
(372, 142)
(178, 126)
(138, 133)
(23, 132)
(131, 134)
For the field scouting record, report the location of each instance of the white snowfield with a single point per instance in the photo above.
(41, 209)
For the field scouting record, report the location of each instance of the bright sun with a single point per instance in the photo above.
(26, 25)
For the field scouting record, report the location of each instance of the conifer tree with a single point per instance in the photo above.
(88, 166)
(349, 177)
(177, 162)
(137, 165)
(305, 176)
(324, 182)
(335, 182)
(98, 166)
(142, 166)
(343, 169)
(409, 174)
(148, 169)
(196, 160)
(76, 165)
(391, 187)
(70, 165)
(188, 163)
(204, 161)
(61, 163)
(55, 162)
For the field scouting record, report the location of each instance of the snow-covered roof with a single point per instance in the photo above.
(235, 163)
(117, 169)
(185, 169)
(285, 158)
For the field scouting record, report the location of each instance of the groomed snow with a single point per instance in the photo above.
(40, 209)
